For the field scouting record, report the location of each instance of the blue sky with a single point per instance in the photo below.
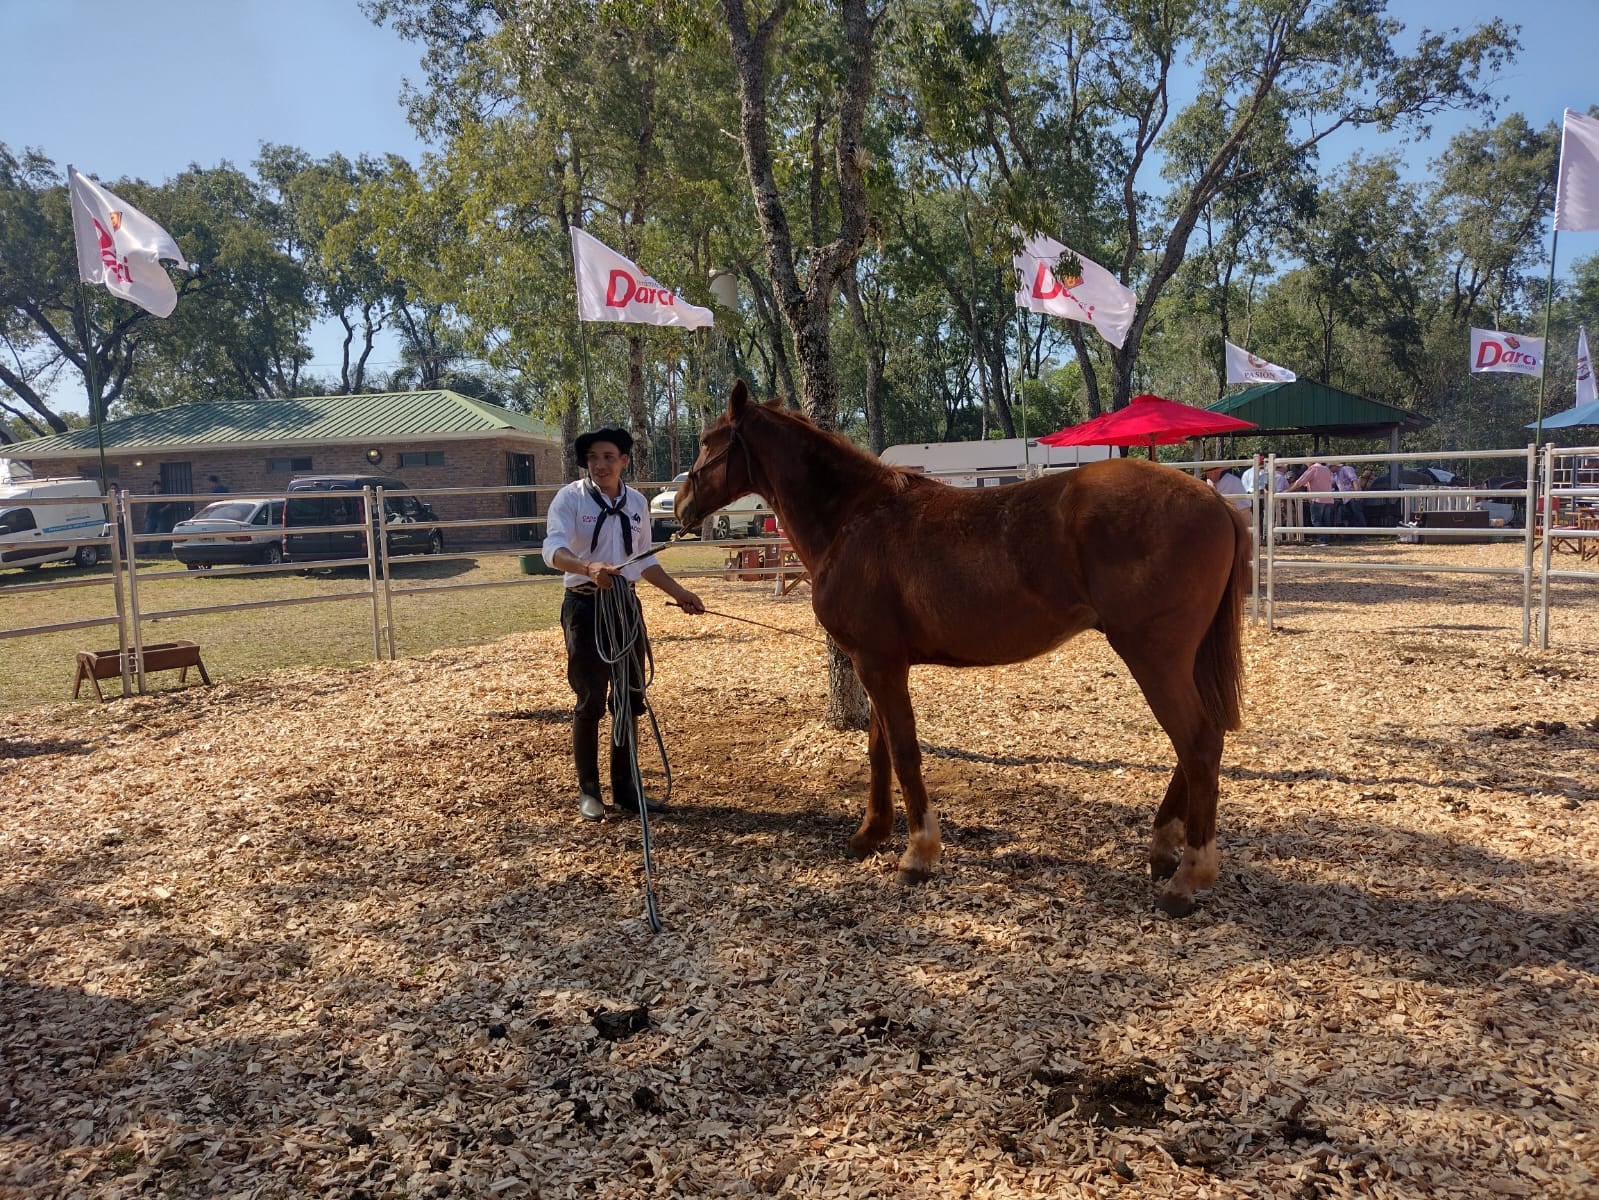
(145, 88)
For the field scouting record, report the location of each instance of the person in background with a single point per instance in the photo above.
(1227, 484)
(216, 484)
(1347, 483)
(598, 530)
(1317, 478)
(157, 519)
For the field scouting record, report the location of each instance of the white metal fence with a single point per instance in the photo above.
(1566, 518)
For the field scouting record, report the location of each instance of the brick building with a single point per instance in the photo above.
(435, 439)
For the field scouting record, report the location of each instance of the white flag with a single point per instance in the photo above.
(121, 247)
(1244, 367)
(1495, 351)
(612, 288)
(1090, 293)
(1577, 186)
(1585, 389)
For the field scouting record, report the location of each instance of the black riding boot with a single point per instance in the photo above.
(623, 792)
(586, 758)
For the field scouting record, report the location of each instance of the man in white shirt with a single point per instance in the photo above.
(598, 530)
(1227, 484)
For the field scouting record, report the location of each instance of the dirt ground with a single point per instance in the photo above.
(342, 933)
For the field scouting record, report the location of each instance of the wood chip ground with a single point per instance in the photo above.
(342, 934)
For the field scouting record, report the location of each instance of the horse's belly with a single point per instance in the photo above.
(1000, 637)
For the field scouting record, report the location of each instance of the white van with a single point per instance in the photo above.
(30, 533)
(991, 462)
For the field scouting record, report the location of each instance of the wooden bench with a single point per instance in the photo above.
(95, 665)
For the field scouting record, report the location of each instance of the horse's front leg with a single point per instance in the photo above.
(889, 688)
(877, 826)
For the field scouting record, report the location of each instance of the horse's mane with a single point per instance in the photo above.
(898, 478)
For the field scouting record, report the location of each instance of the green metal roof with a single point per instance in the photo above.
(1306, 406)
(379, 416)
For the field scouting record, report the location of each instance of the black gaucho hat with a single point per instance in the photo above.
(620, 438)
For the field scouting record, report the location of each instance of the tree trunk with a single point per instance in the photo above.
(806, 306)
(874, 362)
(637, 413)
(1074, 330)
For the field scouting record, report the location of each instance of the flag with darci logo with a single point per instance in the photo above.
(612, 288)
(1514, 353)
(1052, 279)
(121, 248)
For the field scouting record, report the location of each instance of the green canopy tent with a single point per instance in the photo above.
(1320, 410)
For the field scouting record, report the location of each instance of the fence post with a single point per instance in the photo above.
(383, 558)
(1546, 517)
(1526, 562)
(1271, 541)
(119, 529)
(1254, 534)
(375, 538)
(135, 620)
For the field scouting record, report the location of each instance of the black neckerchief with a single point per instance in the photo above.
(619, 509)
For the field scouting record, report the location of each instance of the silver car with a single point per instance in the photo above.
(231, 531)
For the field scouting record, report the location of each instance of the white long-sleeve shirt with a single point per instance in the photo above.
(571, 525)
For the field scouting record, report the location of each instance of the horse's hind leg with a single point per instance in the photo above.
(1166, 842)
(1165, 675)
(877, 826)
(889, 688)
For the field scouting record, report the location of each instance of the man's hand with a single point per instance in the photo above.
(689, 602)
(601, 573)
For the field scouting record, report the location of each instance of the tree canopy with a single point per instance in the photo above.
(862, 173)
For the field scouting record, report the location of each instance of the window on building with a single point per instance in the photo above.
(288, 465)
(422, 458)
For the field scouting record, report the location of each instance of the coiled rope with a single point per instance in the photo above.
(623, 642)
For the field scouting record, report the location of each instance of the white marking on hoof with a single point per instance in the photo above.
(923, 851)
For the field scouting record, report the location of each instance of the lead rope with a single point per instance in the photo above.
(621, 639)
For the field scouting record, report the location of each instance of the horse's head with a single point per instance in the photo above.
(722, 472)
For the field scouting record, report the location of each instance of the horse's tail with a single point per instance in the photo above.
(1219, 665)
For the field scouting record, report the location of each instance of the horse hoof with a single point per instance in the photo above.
(861, 851)
(1174, 905)
(910, 878)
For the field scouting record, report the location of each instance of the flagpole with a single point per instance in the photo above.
(1021, 375)
(1548, 303)
(86, 340)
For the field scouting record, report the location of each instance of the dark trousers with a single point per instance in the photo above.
(590, 678)
(589, 674)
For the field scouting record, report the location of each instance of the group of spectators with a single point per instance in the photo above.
(1344, 509)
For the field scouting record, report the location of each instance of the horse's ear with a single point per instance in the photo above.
(738, 401)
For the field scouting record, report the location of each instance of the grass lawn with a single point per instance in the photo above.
(38, 669)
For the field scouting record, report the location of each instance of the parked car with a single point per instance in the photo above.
(1389, 512)
(745, 517)
(29, 531)
(235, 531)
(322, 500)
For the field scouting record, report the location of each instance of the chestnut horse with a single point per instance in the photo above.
(908, 570)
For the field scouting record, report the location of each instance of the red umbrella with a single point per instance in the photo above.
(1147, 421)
